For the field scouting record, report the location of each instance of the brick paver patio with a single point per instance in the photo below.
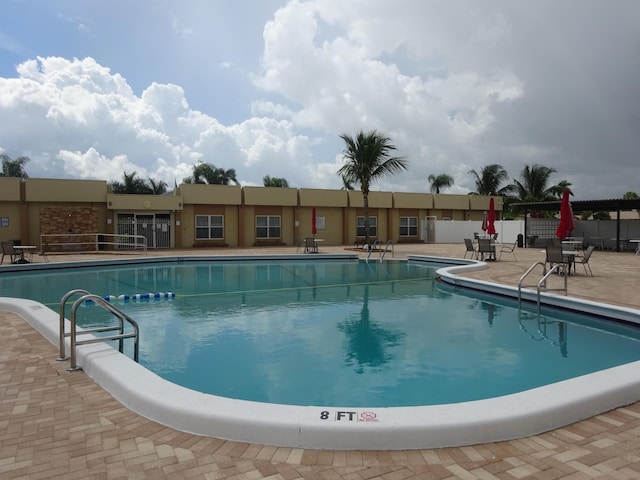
(56, 424)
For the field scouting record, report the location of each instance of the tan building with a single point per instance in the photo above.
(84, 215)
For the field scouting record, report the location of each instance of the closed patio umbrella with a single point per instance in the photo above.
(484, 221)
(314, 228)
(567, 222)
(491, 218)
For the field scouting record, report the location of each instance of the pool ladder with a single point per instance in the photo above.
(542, 283)
(382, 252)
(101, 302)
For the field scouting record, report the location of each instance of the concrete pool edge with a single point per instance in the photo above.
(513, 416)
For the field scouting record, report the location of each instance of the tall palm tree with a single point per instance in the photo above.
(224, 177)
(131, 184)
(489, 180)
(533, 186)
(440, 181)
(367, 158)
(346, 184)
(275, 182)
(14, 167)
(158, 187)
(208, 173)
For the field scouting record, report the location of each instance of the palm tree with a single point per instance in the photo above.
(224, 177)
(275, 182)
(346, 185)
(158, 187)
(208, 173)
(533, 186)
(131, 184)
(367, 158)
(14, 168)
(489, 179)
(440, 181)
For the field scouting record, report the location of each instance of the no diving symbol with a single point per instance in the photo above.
(368, 417)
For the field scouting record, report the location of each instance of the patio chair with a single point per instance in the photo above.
(556, 257)
(470, 248)
(310, 245)
(7, 249)
(485, 248)
(44, 249)
(509, 249)
(584, 259)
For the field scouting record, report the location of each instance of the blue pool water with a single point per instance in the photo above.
(337, 333)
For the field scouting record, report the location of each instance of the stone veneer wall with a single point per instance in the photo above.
(72, 221)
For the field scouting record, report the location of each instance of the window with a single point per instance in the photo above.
(267, 226)
(373, 227)
(209, 227)
(408, 226)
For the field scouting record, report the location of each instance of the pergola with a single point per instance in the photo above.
(608, 205)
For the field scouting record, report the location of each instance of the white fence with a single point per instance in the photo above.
(451, 231)
(601, 233)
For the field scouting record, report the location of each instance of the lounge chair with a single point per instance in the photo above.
(584, 259)
(470, 248)
(509, 249)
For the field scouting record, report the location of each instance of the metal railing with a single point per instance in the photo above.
(384, 252)
(372, 247)
(559, 268)
(50, 242)
(73, 333)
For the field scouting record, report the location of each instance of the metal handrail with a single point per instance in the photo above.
(371, 249)
(134, 241)
(120, 336)
(384, 252)
(543, 280)
(525, 274)
(63, 335)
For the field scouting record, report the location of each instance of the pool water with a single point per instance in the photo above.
(338, 333)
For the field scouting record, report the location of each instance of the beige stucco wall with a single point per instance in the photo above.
(274, 196)
(140, 203)
(333, 221)
(187, 225)
(63, 190)
(10, 211)
(248, 224)
(9, 189)
(210, 194)
(322, 198)
(412, 200)
(477, 202)
(376, 199)
(456, 202)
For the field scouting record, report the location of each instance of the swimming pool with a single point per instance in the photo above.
(308, 426)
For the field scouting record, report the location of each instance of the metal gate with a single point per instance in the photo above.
(155, 227)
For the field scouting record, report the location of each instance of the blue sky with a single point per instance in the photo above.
(91, 89)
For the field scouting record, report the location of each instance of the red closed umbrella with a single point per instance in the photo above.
(567, 222)
(314, 229)
(491, 217)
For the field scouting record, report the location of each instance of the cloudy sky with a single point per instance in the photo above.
(94, 88)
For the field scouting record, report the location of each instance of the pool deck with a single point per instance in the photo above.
(56, 424)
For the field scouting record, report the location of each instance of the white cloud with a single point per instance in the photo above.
(456, 85)
(91, 125)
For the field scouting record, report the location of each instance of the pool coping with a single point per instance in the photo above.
(503, 418)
